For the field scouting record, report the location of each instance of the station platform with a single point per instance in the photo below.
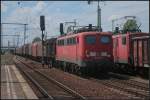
(13, 85)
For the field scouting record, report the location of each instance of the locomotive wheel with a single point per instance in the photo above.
(59, 65)
(64, 66)
(72, 70)
(78, 70)
(67, 67)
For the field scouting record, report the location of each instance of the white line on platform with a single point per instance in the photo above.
(8, 87)
(11, 83)
(26, 88)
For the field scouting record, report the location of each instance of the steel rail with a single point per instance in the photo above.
(36, 84)
(57, 83)
(126, 77)
(131, 83)
(109, 84)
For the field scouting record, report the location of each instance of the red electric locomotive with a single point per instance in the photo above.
(85, 51)
(130, 51)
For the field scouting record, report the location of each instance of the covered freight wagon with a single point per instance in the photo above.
(30, 50)
(26, 48)
(34, 50)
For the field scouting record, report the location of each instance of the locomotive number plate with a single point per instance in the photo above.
(103, 53)
(92, 53)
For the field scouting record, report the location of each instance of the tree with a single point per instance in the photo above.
(36, 39)
(130, 25)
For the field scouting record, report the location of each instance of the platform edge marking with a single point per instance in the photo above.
(26, 88)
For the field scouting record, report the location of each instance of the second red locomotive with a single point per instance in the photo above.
(131, 51)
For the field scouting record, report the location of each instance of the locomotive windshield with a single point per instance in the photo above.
(105, 39)
(90, 39)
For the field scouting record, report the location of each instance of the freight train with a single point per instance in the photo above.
(86, 50)
(82, 51)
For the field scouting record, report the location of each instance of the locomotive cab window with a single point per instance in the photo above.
(105, 39)
(74, 40)
(90, 39)
(124, 40)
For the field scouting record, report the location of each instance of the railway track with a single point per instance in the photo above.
(131, 78)
(132, 83)
(49, 87)
(125, 86)
(42, 91)
(130, 87)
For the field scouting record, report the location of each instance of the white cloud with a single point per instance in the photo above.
(39, 8)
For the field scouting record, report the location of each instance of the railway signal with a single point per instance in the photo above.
(61, 29)
(42, 25)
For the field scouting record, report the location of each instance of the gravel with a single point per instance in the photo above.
(85, 87)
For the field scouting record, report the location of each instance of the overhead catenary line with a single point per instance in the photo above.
(25, 27)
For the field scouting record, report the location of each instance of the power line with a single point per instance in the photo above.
(25, 28)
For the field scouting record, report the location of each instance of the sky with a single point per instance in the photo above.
(55, 12)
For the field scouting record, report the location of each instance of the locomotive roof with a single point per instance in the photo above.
(84, 33)
(132, 34)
